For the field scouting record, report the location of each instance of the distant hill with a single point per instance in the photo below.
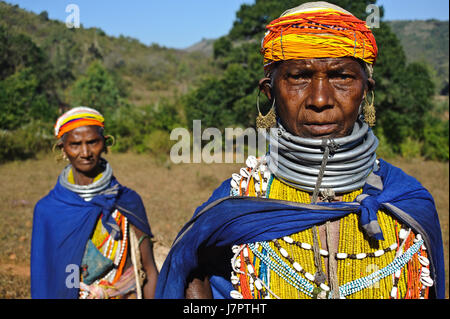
(205, 46)
(426, 41)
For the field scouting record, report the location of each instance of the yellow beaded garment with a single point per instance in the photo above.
(358, 255)
(115, 250)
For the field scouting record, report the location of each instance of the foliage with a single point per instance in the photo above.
(97, 88)
(214, 102)
(410, 148)
(146, 91)
(407, 98)
(64, 53)
(26, 141)
(144, 129)
(384, 150)
(436, 139)
(26, 82)
(158, 144)
(427, 42)
(71, 51)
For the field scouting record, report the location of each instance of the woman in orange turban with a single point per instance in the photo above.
(319, 216)
(91, 236)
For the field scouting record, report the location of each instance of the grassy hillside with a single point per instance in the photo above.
(426, 41)
(154, 71)
(148, 71)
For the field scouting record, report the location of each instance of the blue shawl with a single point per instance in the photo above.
(63, 223)
(224, 221)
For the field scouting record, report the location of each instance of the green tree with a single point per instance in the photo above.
(64, 53)
(97, 89)
(20, 100)
(436, 139)
(27, 89)
(43, 15)
(403, 92)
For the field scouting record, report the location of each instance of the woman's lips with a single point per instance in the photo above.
(317, 129)
(85, 162)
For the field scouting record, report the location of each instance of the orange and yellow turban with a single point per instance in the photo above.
(76, 117)
(318, 31)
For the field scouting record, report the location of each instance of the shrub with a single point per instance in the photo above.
(97, 88)
(436, 140)
(384, 149)
(410, 148)
(157, 142)
(26, 141)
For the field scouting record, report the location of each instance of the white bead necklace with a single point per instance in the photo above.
(325, 253)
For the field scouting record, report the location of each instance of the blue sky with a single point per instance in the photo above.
(181, 23)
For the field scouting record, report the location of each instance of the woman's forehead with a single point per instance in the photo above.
(87, 131)
(332, 63)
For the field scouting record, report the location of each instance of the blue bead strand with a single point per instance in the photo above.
(364, 282)
(283, 269)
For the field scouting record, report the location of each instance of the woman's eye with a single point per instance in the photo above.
(299, 76)
(341, 76)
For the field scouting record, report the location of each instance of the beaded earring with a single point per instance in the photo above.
(369, 110)
(266, 121)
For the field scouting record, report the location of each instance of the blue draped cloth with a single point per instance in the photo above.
(63, 223)
(223, 221)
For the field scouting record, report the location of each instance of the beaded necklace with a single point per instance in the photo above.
(366, 268)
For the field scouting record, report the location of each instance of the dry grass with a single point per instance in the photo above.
(170, 194)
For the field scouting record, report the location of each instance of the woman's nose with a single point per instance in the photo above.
(320, 96)
(85, 150)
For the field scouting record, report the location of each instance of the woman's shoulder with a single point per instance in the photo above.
(127, 192)
(46, 203)
(42, 202)
(391, 174)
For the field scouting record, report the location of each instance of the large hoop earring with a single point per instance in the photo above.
(58, 157)
(112, 143)
(369, 110)
(266, 121)
(112, 138)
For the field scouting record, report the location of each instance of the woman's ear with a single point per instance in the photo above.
(59, 145)
(370, 85)
(266, 87)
